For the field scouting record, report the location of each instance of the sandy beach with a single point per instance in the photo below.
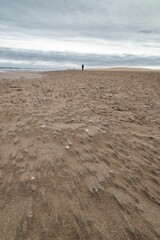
(80, 155)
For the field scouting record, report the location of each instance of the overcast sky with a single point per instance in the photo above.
(127, 29)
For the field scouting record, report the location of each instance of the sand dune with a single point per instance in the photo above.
(80, 155)
(126, 69)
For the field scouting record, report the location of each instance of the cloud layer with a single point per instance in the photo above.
(59, 60)
(104, 19)
(120, 28)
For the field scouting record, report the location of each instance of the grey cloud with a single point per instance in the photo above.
(105, 19)
(72, 59)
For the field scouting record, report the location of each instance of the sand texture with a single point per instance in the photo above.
(80, 155)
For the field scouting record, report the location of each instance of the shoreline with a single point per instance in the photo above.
(86, 69)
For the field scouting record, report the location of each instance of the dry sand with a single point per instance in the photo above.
(80, 155)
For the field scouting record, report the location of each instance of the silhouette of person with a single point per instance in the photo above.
(82, 67)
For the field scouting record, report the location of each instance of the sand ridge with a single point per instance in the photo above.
(80, 156)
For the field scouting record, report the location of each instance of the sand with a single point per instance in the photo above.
(80, 155)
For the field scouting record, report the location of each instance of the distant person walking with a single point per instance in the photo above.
(82, 67)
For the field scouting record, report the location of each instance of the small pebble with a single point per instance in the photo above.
(44, 126)
(30, 215)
